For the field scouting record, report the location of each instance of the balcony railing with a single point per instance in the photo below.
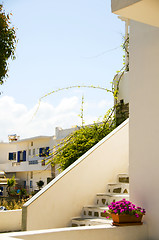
(33, 162)
(14, 164)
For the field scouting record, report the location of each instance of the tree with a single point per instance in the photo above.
(7, 43)
(40, 183)
(10, 184)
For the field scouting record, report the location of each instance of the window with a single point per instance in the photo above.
(31, 144)
(34, 152)
(12, 156)
(29, 152)
(21, 156)
(31, 184)
(44, 152)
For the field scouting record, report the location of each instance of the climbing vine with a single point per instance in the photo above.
(85, 137)
(80, 141)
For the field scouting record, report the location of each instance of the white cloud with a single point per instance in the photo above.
(16, 118)
(105, 104)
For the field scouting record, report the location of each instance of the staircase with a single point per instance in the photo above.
(94, 215)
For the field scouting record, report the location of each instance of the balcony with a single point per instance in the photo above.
(31, 165)
(33, 162)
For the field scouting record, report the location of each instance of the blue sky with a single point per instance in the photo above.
(61, 43)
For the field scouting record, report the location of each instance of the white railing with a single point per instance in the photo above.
(32, 165)
(15, 164)
(31, 162)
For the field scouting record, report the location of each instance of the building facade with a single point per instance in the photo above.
(26, 159)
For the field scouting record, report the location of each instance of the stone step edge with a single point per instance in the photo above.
(107, 221)
(96, 206)
(113, 194)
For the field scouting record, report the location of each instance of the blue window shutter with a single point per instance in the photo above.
(47, 151)
(31, 184)
(18, 159)
(40, 152)
(10, 156)
(24, 155)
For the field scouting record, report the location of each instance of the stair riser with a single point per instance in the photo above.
(123, 178)
(95, 215)
(118, 188)
(106, 200)
(88, 213)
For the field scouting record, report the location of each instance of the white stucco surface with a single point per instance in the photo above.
(145, 11)
(81, 233)
(144, 121)
(63, 198)
(10, 220)
(123, 86)
(119, 4)
(4, 149)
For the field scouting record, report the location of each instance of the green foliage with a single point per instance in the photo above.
(10, 184)
(23, 192)
(7, 43)
(11, 204)
(80, 141)
(40, 183)
(82, 109)
(125, 47)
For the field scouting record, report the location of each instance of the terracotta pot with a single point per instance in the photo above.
(124, 219)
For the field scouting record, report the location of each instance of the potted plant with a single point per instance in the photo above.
(125, 213)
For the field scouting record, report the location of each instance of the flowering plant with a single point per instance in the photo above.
(125, 207)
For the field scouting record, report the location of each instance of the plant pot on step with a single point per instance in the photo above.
(125, 213)
(126, 219)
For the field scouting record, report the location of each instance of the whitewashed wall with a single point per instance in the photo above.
(4, 149)
(80, 233)
(144, 121)
(10, 220)
(64, 197)
(123, 86)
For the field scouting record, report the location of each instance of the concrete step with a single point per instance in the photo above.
(118, 188)
(103, 199)
(95, 215)
(123, 178)
(95, 212)
(76, 222)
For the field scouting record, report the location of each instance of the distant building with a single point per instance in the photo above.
(25, 159)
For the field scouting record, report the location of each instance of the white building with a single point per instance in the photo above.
(25, 159)
(143, 17)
